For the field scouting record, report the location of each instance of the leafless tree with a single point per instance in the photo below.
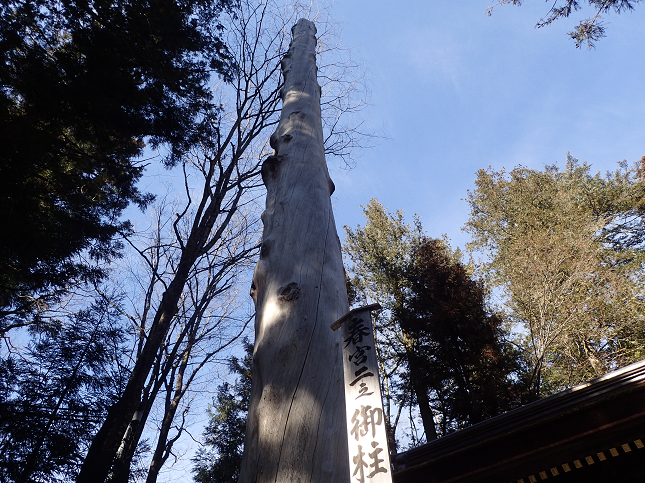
(206, 324)
(194, 256)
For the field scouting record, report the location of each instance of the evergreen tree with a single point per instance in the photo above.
(565, 250)
(84, 85)
(459, 352)
(438, 345)
(587, 31)
(380, 253)
(220, 459)
(53, 396)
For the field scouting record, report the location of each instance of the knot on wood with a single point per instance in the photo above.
(270, 169)
(273, 141)
(265, 249)
(332, 187)
(289, 292)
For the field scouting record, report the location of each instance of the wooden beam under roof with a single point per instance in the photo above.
(594, 432)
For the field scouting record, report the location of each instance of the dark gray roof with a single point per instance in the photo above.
(563, 435)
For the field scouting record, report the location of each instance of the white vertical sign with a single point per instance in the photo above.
(369, 459)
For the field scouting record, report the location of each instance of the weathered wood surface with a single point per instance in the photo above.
(296, 426)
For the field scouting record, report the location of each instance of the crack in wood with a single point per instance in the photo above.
(304, 363)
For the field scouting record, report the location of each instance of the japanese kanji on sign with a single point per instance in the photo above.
(369, 461)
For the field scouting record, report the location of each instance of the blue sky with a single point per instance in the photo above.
(454, 90)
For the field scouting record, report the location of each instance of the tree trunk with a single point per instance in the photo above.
(121, 468)
(104, 447)
(420, 389)
(123, 461)
(296, 424)
(173, 399)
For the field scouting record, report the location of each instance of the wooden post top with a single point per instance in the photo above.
(336, 325)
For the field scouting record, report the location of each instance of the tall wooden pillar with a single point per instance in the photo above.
(296, 425)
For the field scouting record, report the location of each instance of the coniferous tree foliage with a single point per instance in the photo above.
(379, 253)
(219, 460)
(440, 349)
(621, 198)
(54, 395)
(587, 31)
(85, 84)
(460, 350)
(565, 250)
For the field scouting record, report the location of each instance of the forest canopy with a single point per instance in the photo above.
(565, 250)
(85, 85)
